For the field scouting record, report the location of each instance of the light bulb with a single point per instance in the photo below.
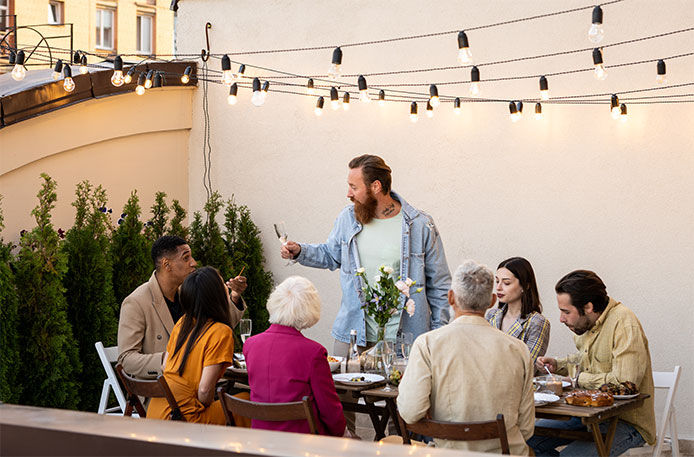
(430, 110)
(413, 112)
(58, 70)
(148, 79)
(475, 81)
(513, 111)
(614, 107)
(334, 72)
(434, 96)
(257, 98)
(19, 71)
(661, 77)
(363, 89)
(334, 99)
(596, 32)
(264, 90)
(185, 79)
(117, 77)
(140, 89)
(241, 71)
(345, 101)
(319, 106)
(233, 90)
(544, 88)
(310, 90)
(381, 98)
(600, 72)
(623, 112)
(227, 74)
(456, 106)
(83, 65)
(464, 52)
(68, 83)
(538, 112)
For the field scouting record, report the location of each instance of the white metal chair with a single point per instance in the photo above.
(109, 356)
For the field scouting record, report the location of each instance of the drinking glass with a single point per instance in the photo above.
(388, 357)
(245, 326)
(404, 343)
(281, 232)
(572, 368)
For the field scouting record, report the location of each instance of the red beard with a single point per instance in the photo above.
(365, 212)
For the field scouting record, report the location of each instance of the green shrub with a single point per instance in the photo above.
(156, 226)
(130, 251)
(92, 306)
(206, 239)
(177, 227)
(10, 386)
(48, 351)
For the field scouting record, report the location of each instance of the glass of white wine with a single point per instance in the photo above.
(245, 326)
(281, 232)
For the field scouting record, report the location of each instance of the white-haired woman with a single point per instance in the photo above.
(284, 366)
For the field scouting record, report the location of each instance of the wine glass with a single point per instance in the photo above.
(388, 357)
(573, 369)
(245, 326)
(281, 232)
(404, 343)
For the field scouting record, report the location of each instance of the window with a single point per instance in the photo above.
(104, 28)
(55, 12)
(144, 34)
(4, 15)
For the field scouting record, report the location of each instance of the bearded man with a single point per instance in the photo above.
(380, 228)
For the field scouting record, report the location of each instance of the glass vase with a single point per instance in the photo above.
(372, 359)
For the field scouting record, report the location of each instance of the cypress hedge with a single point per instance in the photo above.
(10, 387)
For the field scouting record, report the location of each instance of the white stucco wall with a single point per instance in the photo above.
(577, 190)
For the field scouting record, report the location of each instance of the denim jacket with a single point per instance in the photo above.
(421, 258)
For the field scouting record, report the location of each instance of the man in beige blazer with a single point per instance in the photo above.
(470, 371)
(148, 314)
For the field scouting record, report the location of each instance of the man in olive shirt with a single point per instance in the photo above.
(612, 348)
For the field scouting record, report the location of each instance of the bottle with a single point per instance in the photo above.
(353, 365)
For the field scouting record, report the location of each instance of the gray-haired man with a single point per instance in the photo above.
(469, 371)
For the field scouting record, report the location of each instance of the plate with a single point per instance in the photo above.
(335, 365)
(625, 397)
(369, 378)
(543, 382)
(544, 398)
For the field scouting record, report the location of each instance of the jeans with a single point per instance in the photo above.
(625, 437)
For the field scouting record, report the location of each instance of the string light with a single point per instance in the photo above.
(227, 75)
(623, 113)
(363, 89)
(58, 70)
(117, 77)
(319, 106)
(544, 88)
(233, 91)
(413, 112)
(148, 79)
(158, 79)
(434, 96)
(310, 90)
(76, 57)
(513, 110)
(345, 101)
(185, 79)
(381, 98)
(13, 58)
(140, 88)
(264, 90)
(538, 111)
(600, 72)
(661, 78)
(614, 106)
(475, 81)
(241, 71)
(596, 32)
(334, 71)
(257, 98)
(68, 83)
(19, 71)
(430, 110)
(334, 99)
(464, 52)
(456, 106)
(83, 65)
(129, 76)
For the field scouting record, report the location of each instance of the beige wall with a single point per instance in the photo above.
(122, 142)
(577, 190)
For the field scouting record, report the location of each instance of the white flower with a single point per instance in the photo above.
(409, 282)
(377, 278)
(360, 271)
(410, 307)
(388, 270)
(403, 287)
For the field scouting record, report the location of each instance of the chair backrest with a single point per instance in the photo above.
(458, 431)
(273, 412)
(666, 380)
(109, 356)
(150, 388)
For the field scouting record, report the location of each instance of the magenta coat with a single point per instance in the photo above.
(284, 366)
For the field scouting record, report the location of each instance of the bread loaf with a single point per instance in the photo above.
(589, 398)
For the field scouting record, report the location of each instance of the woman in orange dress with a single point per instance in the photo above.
(200, 348)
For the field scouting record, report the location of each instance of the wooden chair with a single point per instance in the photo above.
(273, 412)
(155, 388)
(458, 431)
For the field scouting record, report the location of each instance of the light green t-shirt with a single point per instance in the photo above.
(379, 244)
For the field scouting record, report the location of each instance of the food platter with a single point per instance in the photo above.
(542, 398)
(357, 379)
(625, 397)
(543, 382)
